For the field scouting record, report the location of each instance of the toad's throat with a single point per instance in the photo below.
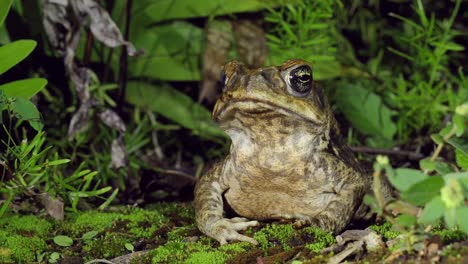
(257, 107)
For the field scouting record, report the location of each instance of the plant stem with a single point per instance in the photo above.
(440, 146)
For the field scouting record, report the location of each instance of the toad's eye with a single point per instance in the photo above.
(300, 79)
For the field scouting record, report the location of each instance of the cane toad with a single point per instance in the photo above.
(287, 158)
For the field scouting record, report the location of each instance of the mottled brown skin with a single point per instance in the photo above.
(287, 159)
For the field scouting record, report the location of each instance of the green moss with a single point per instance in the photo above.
(143, 223)
(92, 221)
(235, 248)
(177, 251)
(267, 236)
(108, 246)
(213, 257)
(179, 233)
(18, 248)
(181, 210)
(450, 235)
(322, 239)
(385, 230)
(26, 223)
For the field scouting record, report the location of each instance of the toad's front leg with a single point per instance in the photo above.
(209, 210)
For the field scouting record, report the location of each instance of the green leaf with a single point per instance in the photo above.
(24, 110)
(13, 53)
(459, 143)
(403, 178)
(427, 165)
(450, 217)
(462, 216)
(423, 191)
(443, 168)
(366, 111)
(175, 106)
(462, 159)
(89, 235)
(406, 220)
(129, 247)
(24, 88)
(58, 162)
(173, 52)
(459, 123)
(168, 9)
(437, 139)
(4, 8)
(462, 177)
(446, 130)
(433, 210)
(63, 241)
(54, 257)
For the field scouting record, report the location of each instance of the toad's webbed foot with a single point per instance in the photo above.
(225, 230)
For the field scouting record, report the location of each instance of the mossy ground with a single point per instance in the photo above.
(169, 233)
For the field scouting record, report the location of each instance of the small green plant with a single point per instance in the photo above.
(437, 191)
(305, 30)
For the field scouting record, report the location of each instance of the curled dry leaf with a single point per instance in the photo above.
(62, 21)
(119, 153)
(80, 119)
(100, 23)
(113, 120)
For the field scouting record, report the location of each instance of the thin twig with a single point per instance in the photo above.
(411, 155)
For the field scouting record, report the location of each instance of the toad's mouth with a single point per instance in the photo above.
(253, 106)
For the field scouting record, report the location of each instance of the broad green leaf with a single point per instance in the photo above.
(24, 88)
(366, 111)
(450, 217)
(459, 143)
(63, 241)
(462, 177)
(170, 9)
(175, 106)
(459, 123)
(89, 235)
(403, 178)
(172, 52)
(442, 167)
(4, 8)
(12, 53)
(129, 247)
(26, 111)
(462, 159)
(423, 191)
(406, 220)
(427, 165)
(54, 256)
(452, 193)
(462, 216)
(437, 139)
(446, 130)
(433, 210)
